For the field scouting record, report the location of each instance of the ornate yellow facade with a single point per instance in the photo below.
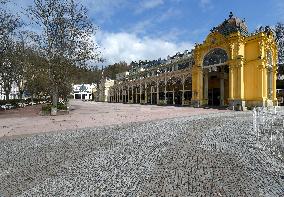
(246, 73)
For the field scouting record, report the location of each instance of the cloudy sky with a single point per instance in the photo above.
(150, 29)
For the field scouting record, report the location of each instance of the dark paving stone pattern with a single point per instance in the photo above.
(204, 155)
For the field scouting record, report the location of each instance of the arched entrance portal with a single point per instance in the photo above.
(216, 77)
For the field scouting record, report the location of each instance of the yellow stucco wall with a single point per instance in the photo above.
(248, 67)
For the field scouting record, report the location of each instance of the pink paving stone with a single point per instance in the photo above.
(90, 114)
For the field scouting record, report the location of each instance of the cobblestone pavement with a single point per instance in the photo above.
(205, 155)
(88, 115)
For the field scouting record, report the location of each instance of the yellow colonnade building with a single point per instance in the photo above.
(230, 68)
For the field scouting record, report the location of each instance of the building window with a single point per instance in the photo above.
(215, 56)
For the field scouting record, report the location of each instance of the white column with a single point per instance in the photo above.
(174, 96)
(183, 81)
(165, 92)
(145, 98)
(132, 96)
(151, 95)
(136, 93)
(122, 95)
(119, 95)
(158, 93)
(205, 85)
(140, 92)
(222, 90)
(127, 94)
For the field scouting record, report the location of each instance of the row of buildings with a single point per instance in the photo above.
(232, 67)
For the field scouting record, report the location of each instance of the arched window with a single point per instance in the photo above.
(215, 56)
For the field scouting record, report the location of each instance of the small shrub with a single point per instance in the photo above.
(46, 108)
(3, 102)
(61, 106)
(14, 102)
(162, 102)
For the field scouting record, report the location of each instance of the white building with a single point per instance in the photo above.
(108, 83)
(14, 93)
(83, 91)
(102, 92)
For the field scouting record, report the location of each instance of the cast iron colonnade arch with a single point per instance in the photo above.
(213, 61)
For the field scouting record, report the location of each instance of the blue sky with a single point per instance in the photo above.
(149, 29)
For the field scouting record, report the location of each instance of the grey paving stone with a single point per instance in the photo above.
(206, 155)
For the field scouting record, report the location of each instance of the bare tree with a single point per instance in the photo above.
(279, 30)
(66, 39)
(34, 78)
(9, 67)
(30, 63)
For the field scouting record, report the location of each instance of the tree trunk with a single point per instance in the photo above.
(54, 101)
(21, 95)
(7, 95)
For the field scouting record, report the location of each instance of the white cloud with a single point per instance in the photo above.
(150, 23)
(142, 26)
(105, 9)
(170, 14)
(149, 4)
(205, 4)
(102, 5)
(129, 47)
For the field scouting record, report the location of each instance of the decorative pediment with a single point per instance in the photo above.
(232, 25)
(214, 39)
